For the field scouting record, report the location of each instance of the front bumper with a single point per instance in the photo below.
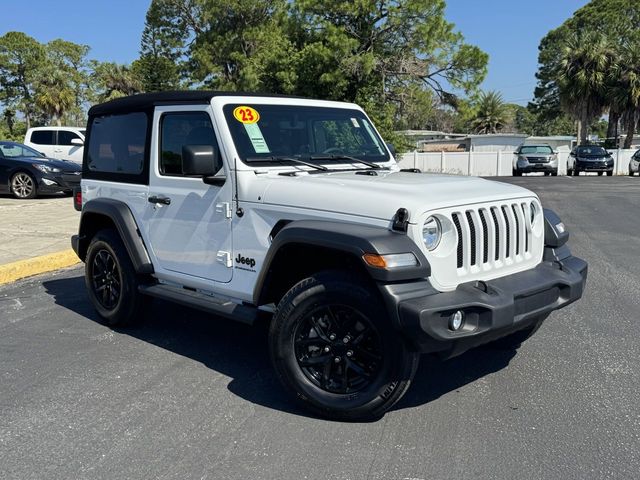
(58, 182)
(606, 166)
(491, 309)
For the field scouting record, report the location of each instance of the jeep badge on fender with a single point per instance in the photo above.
(312, 191)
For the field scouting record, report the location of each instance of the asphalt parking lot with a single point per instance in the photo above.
(189, 396)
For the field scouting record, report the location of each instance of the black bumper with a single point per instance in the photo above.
(491, 309)
(594, 166)
(538, 167)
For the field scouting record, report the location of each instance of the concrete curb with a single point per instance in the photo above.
(11, 272)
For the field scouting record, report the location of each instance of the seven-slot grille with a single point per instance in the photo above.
(491, 236)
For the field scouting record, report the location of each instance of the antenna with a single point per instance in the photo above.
(239, 210)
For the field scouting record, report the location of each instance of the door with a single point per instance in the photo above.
(66, 150)
(44, 141)
(188, 222)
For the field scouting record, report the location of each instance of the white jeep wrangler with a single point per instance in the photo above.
(240, 204)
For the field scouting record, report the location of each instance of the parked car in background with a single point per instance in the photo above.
(62, 143)
(535, 158)
(589, 158)
(634, 164)
(25, 172)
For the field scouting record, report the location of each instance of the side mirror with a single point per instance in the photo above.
(391, 148)
(202, 161)
(77, 142)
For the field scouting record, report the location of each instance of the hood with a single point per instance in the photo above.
(64, 165)
(382, 195)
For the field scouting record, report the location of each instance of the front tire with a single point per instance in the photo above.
(24, 186)
(333, 347)
(111, 280)
(610, 173)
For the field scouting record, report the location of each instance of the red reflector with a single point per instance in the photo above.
(78, 200)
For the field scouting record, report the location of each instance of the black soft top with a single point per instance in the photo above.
(143, 101)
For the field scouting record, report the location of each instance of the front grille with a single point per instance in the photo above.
(537, 160)
(493, 234)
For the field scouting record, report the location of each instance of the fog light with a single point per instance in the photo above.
(48, 182)
(455, 322)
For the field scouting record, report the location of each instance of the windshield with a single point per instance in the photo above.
(592, 151)
(529, 149)
(302, 132)
(10, 150)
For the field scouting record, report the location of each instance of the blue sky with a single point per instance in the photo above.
(508, 30)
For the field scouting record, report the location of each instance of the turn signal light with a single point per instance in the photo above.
(391, 260)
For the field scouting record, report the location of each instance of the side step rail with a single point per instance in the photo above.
(200, 301)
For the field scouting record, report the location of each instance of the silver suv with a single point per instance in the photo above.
(535, 158)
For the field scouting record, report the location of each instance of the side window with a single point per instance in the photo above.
(43, 137)
(65, 137)
(180, 129)
(117, 143)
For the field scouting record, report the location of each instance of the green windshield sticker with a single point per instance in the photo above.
(256, 137)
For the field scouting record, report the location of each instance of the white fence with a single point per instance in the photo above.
(491, 163)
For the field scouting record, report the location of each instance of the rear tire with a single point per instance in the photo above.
(554, 173)
(600, 173)
(576, 172)
(516, 339)
(610, 173)
(333, 347)
(111, 280)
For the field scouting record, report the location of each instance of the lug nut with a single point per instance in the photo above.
(337, 359)
(332, 336)
(346, 339)
(349, 353)
(327, 349)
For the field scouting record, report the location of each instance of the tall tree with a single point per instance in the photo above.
(625, 87)
(162, 47)
(54, 94)
(582, 78)
(20, 60)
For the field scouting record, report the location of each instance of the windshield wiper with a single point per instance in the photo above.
(280, 159)
(347, 157)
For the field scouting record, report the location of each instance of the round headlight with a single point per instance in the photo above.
(431, 233)
(534, 212)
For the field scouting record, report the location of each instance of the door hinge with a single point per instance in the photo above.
(224, 208)
(225, 259)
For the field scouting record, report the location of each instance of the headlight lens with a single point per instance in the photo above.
(46, 168)
(431, 233)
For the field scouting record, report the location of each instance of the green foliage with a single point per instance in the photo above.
(491, 113)
(590, 65)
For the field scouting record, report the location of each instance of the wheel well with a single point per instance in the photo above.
(91, 224)
(295, 262)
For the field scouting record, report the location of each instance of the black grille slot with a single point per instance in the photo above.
(472, 231)
(526, 231)
(485, 236)
(497, 230)
(456, 222)
(515, 216)
(506, 223)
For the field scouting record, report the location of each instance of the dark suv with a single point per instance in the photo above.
(590, 158)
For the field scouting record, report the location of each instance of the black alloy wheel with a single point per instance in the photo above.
(333, 347)
(111, 280)
(23, 186)
(107, 280)
(338, 349)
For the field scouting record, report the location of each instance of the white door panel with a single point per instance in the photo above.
(192, 234)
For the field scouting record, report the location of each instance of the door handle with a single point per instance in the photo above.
(159, 199)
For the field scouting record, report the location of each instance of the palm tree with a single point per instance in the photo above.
(115, 80)
(583, 71)
(491, 115)
(625, 88)
(54, 94)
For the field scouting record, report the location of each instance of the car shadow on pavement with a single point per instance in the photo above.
(240, 351)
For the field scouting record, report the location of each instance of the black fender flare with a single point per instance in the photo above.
(120, 215)
(349, 238)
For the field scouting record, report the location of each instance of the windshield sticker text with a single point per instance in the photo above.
(246, 115)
